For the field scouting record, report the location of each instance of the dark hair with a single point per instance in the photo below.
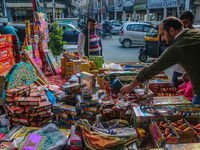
(172, 22)
(5, 24)
(187, 15)
(91, 20)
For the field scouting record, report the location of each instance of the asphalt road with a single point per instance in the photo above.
(113, 51)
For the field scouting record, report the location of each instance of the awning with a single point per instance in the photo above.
(21, 5)
(140, 7)
(29, 5)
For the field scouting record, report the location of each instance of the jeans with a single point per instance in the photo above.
(196, 100)
(175, 79)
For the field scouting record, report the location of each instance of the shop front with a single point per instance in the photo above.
(118, 13)
(140, 12)
(110, 11)
(161, 8)
(128, 13)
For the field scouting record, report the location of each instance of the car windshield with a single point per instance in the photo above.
(74, 27)
(152, 32)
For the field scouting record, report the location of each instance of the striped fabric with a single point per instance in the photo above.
(95, 47)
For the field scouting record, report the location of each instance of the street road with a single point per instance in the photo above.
(113, 51)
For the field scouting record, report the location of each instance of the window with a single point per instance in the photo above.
(135, 27)
(152, 32)
(146, 28)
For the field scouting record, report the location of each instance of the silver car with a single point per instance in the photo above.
(133, 33)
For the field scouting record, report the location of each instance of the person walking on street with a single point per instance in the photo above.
(89, 42)
(7, 29)
(183, 50)
(187, 18)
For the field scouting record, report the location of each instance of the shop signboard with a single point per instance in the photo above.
(128, 8)
(95, 11)
(110, 9)
(118, 9)
(161, 4)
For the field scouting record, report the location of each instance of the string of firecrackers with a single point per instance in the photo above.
(33, 63)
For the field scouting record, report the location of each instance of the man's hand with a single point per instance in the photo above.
(126, 89)
(129, 88)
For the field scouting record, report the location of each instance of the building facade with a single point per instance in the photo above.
(159, 9)
(138, 10)
(20, 10)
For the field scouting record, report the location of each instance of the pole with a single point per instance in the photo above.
(101, 11)
(178, 8)
(34, 7)
(53, 4)
(4, 6)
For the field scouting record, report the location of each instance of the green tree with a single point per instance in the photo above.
(56, 40)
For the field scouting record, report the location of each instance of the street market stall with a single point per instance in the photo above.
(78, 105)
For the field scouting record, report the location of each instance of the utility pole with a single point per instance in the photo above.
(101, 10)
(4, 6)
(53, 4)
(178, 8)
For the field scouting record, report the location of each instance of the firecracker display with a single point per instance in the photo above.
(77, 104)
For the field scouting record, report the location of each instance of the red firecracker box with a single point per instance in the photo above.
(6, 40)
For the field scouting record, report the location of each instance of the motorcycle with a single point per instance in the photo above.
(105, 33)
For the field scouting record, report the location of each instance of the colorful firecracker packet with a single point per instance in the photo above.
(72, 88)
(141, 95)
(32, 141)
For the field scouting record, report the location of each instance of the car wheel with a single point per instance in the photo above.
(143, 57)
(127, 43)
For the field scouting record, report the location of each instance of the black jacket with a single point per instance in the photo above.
(85, 32)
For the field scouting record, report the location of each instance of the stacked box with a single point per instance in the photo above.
(89, 80)
(92, 65)
(72, 88)
(76, 142)
(69, 69)
(24, 106)
(85, 67)
(101, 82)
(66, 114)
(7, 59)
(156, 85)
(77, 66)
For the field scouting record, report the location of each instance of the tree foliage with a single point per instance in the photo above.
(56, 40)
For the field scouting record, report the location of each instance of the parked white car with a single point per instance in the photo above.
(133, 33)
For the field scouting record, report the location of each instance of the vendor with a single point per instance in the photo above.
(183, 50)
(89, 42)
(7, 29)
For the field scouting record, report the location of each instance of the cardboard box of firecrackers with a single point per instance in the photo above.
(25, 105)
(184, 129)
(74, 105)
(141, 95)
(156, 85)
(163, 132)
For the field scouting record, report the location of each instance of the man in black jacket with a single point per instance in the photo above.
(89, 42)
